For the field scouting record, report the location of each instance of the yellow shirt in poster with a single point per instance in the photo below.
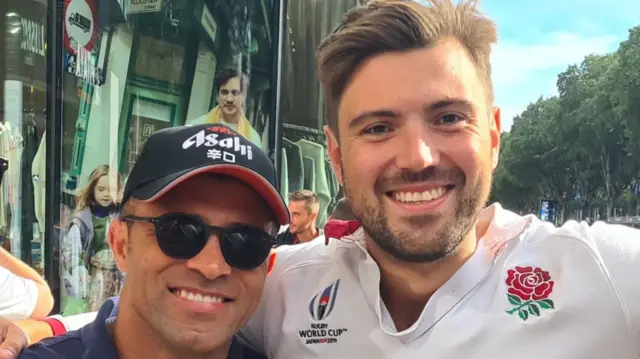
(243, 126)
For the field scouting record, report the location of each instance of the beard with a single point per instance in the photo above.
(419, 246)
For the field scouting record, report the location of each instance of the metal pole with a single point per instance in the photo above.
(275, 130)
(55, 68)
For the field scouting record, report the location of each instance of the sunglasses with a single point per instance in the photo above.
(183, 236)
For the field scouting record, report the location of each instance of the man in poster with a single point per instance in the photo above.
(232, 91)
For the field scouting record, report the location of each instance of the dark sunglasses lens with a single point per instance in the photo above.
(180, 236)
(245, 248)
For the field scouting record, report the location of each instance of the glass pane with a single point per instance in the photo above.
(305, 164)
(132, 70)
(23, 78)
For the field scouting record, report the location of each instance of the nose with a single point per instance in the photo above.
(210, 262)
(416, 150)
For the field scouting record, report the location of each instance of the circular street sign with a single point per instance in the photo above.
(80, 25)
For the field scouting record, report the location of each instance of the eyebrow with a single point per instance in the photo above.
(433, 107)
(449, 103)
(376, 113)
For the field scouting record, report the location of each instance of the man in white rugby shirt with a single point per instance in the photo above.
(414, 137)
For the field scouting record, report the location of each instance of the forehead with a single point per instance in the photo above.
(220, 200)
(410, 80)
(296, 205)
(105, 181)
(233, 83)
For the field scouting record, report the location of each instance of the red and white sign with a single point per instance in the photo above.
(80, 25)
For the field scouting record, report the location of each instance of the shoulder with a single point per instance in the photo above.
(618, 248)
(198, 120)
(67, 346)
(313, 260)
(300, 256)
(604, 255)
(247, 352)
(614, 246)
(79, 219)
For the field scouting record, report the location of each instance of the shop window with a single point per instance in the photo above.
(23, 122)
(305, 164)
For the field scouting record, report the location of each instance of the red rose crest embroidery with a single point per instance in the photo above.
(528, 291)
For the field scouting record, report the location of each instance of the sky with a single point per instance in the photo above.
(538, 39)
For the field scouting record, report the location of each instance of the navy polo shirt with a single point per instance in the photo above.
(93, 341)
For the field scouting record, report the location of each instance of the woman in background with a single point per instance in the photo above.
(89, 272)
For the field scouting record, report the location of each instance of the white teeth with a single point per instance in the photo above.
(197, 297)
(410, 197)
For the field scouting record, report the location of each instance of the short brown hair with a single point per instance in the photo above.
(343, 212)
(400, 25)
(224, 76)
(310, 199)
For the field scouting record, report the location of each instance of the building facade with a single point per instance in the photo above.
(86, 82)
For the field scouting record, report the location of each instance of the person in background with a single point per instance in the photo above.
(341, 221)
(23, 292)
(304, 207)
(89, 272)
(232, 88)
(342, 211)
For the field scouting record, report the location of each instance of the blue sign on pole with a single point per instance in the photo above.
(548, 211)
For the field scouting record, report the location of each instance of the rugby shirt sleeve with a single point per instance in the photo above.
(619, 247)
(18, 296)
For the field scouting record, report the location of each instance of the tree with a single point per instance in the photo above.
(579, 148)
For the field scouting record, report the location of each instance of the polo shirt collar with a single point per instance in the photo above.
(95, 337)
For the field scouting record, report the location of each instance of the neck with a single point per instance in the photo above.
(134, 338)
(405, 288)
(99, 211)
(308, 235)
(234, 119)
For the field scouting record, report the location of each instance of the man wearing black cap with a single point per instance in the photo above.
(200, 210)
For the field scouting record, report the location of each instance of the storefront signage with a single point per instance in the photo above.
(208, 22)
(33, 37)
(83, 65)
(142, 6)
(80, 25)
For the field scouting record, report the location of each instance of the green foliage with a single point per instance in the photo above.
(579, 148)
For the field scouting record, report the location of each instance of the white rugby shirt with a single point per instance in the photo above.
(530, 291)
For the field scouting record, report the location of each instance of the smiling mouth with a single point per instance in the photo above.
(198, 297)
(420, 197)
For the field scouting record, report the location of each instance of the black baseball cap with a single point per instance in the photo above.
(173, 155)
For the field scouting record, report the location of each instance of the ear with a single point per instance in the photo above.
(118, 238)
(495, 131)
(333, 148)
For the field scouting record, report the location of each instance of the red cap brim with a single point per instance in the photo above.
(253, 179)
